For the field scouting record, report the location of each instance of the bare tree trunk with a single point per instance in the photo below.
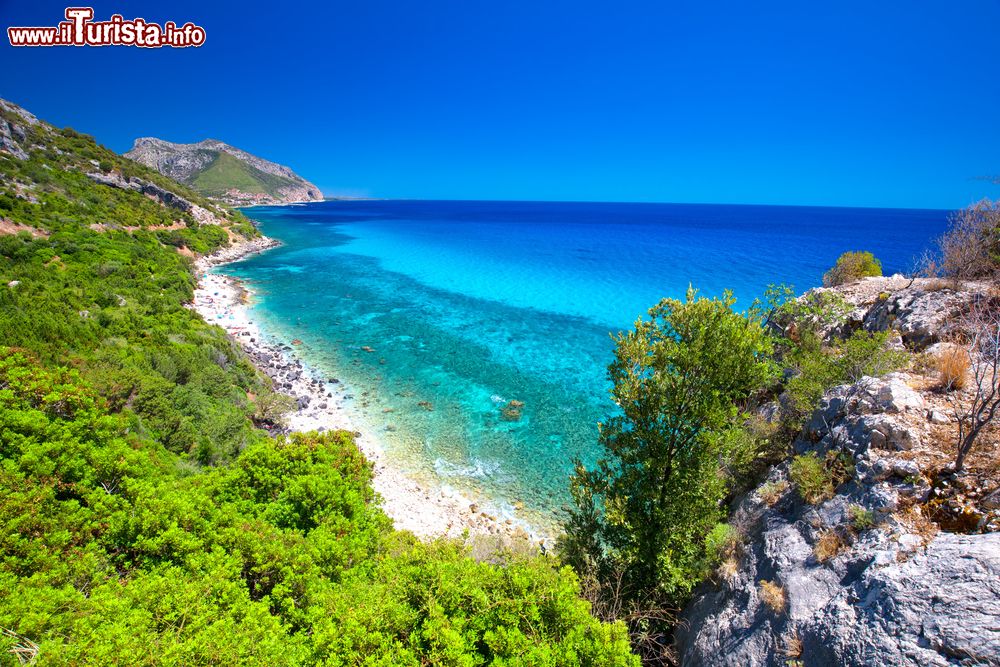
(982, 325)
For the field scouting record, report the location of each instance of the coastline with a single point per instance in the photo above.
(426, 510)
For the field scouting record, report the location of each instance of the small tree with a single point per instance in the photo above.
(680, 379)
(272, 408)
(852, 266)
(982, 325)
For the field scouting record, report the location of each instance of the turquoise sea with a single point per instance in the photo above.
(434, 315)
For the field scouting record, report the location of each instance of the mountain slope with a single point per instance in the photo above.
(95, 264)
(223, 172)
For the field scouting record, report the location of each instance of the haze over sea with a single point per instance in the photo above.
(468, 305)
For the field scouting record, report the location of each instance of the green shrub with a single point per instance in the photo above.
(749, 449)
(852, 266)
(817, 479)
(815, 372)
(809, 313)
(811, 478)
(818, 369)
(861, 518)
(720, 542)
(867, 353)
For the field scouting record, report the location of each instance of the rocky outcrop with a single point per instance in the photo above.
(922, 310)
(152, 190)
(868, 574)
(232, 170)
(938, 607)
(877, 591)
(236, 252)
(13, 133)
(21, 134)
(181, 162)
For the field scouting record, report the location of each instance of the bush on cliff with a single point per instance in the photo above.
(852, 266)
(83, 290)
(817, 369)
(111, 304)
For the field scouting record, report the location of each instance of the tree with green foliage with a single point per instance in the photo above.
(681, 381)
(852, 266)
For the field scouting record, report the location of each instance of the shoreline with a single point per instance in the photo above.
(428, 511)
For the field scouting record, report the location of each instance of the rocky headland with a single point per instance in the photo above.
(224, 172)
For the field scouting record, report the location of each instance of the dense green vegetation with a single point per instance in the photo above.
(147, 520)
(111, 304)
(226, 172)
(109, 300)
(681, 379)
(820, 368)
(809, 345)
(814, 479)
(112, 556)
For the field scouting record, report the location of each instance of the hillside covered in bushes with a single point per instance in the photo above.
(147, 519)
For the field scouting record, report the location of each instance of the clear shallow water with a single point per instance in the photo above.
(467, 305)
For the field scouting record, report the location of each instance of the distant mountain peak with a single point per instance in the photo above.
(224, 172)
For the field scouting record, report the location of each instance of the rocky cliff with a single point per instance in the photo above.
(901, 565)
(24, 137)
(223, 172)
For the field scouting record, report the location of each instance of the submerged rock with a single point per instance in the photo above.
(512, 411)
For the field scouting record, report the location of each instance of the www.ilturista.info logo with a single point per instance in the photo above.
(79, 29)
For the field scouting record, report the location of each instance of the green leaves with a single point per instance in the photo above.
(117, 547)
(818, 369)
(110, 555)
(852, 266)
(680, 379)
(113, 308)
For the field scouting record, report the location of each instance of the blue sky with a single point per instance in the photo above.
(843, 103)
